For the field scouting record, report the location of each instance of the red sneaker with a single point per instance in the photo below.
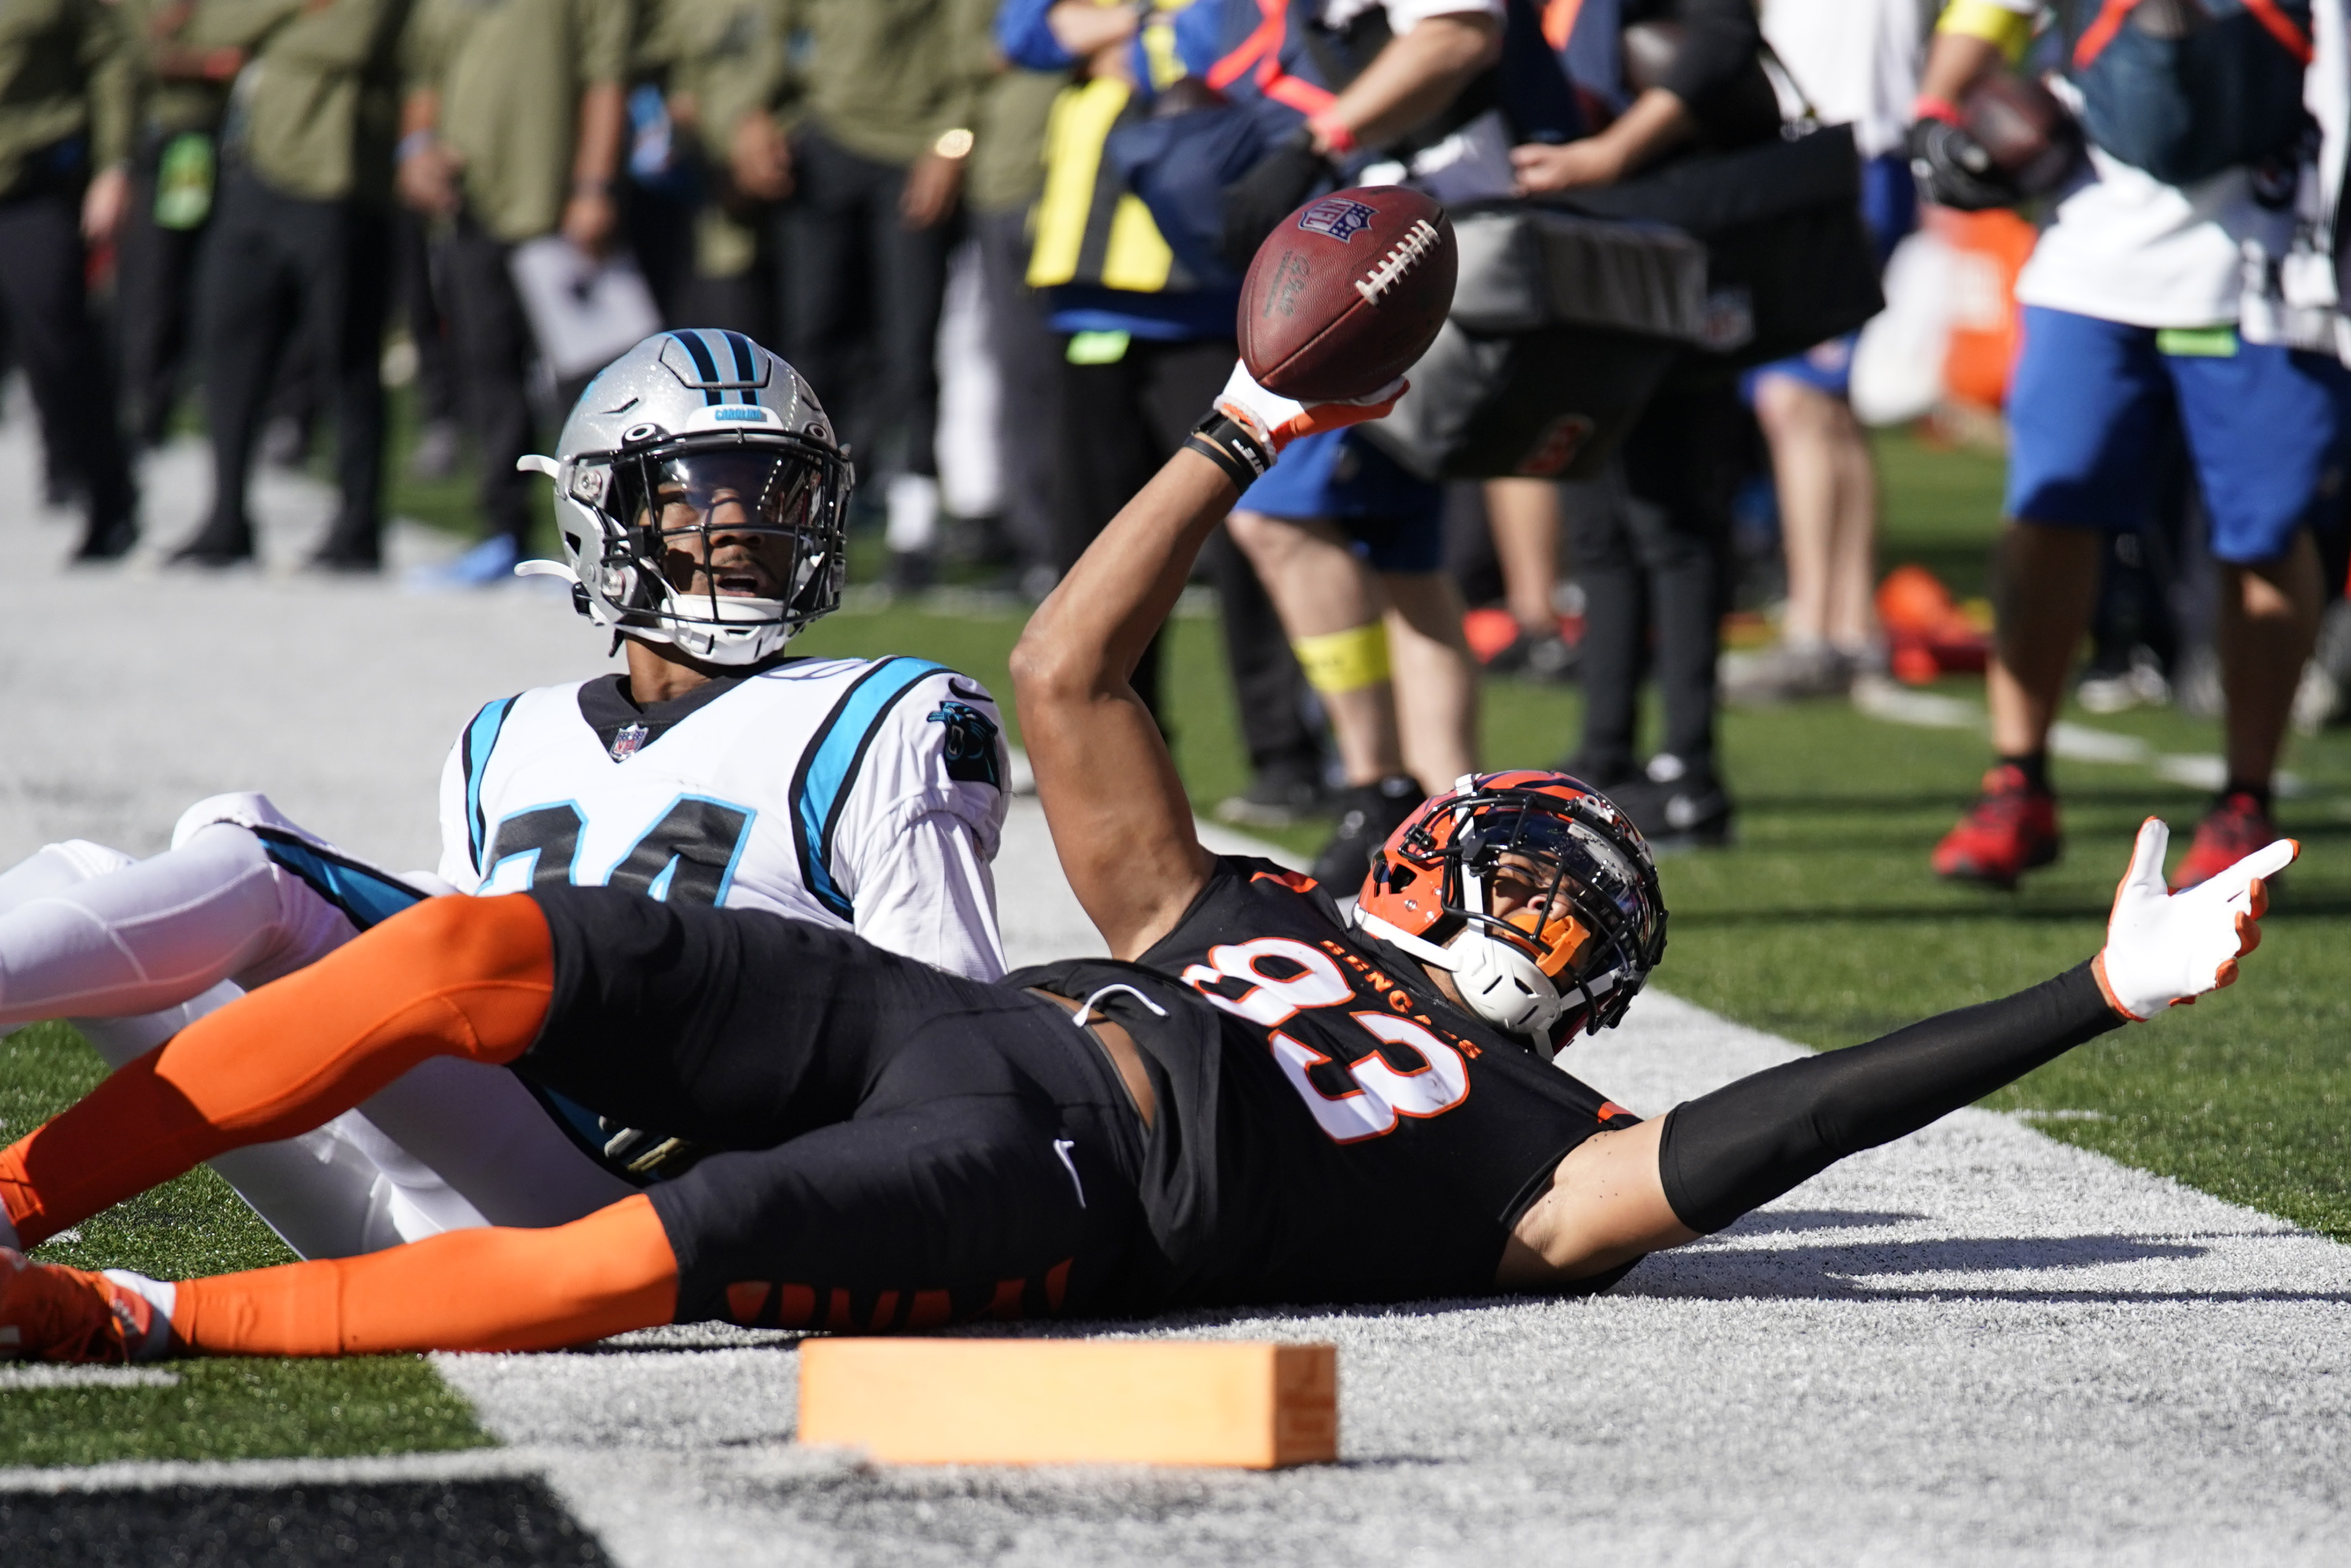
(2011, 830)
(2229, 833)
(50, 1313)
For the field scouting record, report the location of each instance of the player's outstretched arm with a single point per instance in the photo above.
(1714, 1159)
(1117, 810)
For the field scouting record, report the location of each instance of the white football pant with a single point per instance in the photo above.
(133, 951)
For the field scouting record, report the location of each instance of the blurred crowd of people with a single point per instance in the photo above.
(267, 191)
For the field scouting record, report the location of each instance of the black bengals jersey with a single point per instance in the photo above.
(1331, 1128)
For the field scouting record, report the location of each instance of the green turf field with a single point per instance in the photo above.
(223, 1409)
(1823, 925)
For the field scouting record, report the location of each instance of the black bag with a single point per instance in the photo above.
(1789, 261)
(1561, 328)
(1571, 311)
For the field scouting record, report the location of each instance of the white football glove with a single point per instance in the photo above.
(1277, 420)
(2164, 948)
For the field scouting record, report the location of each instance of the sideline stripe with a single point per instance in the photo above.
(34, 1374)
(147, 1475)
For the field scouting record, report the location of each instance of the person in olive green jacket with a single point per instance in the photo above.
(67, 106)
(724, 72)
(887, 96)
(301, 244)
(183, 92)
(510, 130)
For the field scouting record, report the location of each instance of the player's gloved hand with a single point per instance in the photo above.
(1953, 167)
(2164, 948)
(1250, 425)
(1277, 420)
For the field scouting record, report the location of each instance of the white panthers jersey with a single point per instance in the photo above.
(865, 794)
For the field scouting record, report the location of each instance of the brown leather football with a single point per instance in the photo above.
(1346, 293)
(2033, 140)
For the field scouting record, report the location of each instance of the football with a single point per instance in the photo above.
(2033, 141)
(1346, 293)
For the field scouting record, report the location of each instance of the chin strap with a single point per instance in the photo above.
(1450, 961)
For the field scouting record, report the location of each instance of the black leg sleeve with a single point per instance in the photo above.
(1748, 1142)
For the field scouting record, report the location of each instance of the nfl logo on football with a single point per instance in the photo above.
(1338, 217)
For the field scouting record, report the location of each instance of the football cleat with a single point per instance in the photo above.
(1587, 929)
(2012, 829)
(50, 1313)
(2230, 830)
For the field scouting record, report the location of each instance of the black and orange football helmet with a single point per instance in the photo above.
(1587, 929)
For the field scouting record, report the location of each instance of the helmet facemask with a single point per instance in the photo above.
(723, 544)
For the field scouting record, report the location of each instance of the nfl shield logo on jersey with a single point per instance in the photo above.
(1338, 217)
(627, 739)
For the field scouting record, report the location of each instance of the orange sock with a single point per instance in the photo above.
(464, 1290)
(452, 977)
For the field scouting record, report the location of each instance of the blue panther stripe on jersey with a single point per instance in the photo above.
(830, 762)
(481, 737)
(365, 894)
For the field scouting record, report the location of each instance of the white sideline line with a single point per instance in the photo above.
(152, 1475)
(13, 1378)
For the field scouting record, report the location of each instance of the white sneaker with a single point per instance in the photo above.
(1789, 673)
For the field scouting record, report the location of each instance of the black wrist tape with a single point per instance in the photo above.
(1751, 1140)
(1226, 442)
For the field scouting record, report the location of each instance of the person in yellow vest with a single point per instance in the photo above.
(1142, 342)
(1348, 545)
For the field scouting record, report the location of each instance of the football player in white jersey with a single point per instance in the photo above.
(701, 499)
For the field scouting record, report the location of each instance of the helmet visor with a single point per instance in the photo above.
(1572, 901)
(733, 523)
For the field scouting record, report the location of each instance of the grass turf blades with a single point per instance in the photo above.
(231, 1409)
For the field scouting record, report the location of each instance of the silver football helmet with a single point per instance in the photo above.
(700, 499)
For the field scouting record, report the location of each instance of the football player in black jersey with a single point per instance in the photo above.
(1252, 1101)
